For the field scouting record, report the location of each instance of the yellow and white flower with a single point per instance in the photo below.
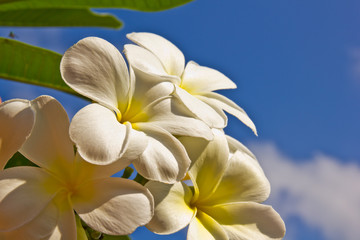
(157, 58)
(131, 118)
(224, 202)
(39, 202)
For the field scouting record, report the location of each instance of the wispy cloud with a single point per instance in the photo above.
(322, 191)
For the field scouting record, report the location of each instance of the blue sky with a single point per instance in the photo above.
(297, 68)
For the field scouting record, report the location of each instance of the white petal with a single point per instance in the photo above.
(113, 206)
(206, 228)
(248, 220)
(170, 56)
(24, 193)
(172, 207)
(16, 121)
(235, 145)
(200, 109)
(49, 144)
(199, 79)
(86, 171)
(144, 97)
(98, 135)
(95, 68)
(208, 168)
(171, 115)
(66, 224)
(41, 227)
(147, 65)
(243, 180)
(229, 106)
(164, 159)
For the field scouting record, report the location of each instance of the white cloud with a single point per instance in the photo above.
(322, 191)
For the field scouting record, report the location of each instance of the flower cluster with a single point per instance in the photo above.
(155, 113)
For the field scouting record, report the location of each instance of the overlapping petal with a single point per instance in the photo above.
(95, 68)
(40, 227)
(205, 227)
(242, 181)
(248, 220)
(145, 62)
(49, 144)
(113, 205)
(215, 99)
(169, 55)
(100, 138)
(25, 192)
(164, 159)
(200, 109)
(16, 121)
(170, 115)
(66, 225)
(173, 210)
(235, 145)
(209, 167)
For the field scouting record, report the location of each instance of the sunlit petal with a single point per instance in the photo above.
(95, 68)
(206, 228)
(169, 55)
(248, 220)
(215, 99)
(25, 192)
(171, 115)
(199, 79)
(164, 159)
(235, 145)
(113, 205)
(208, 168)
(200, 109)
(16, 122)
(172, 207)
(145, 62)
(243, 180)
(49, 144)
(100, 138)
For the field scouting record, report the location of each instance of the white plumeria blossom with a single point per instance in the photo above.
(16, 122)
(132, 118)
(39, 203)
(158, 58)
(224, 202)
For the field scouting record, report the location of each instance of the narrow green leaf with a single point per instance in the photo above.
(46, 17)
(29, 64)
(140, 5)
(19, 160)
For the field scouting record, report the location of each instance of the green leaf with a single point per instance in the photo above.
(29, 64)
(80, 232)
(46, 17)
(140, 5)
(109, 237)
(19, 160)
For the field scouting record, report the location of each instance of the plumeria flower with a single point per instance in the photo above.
(224, 201)
(158, 58)
(16, 122)
(130, 118)
(39, 202)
